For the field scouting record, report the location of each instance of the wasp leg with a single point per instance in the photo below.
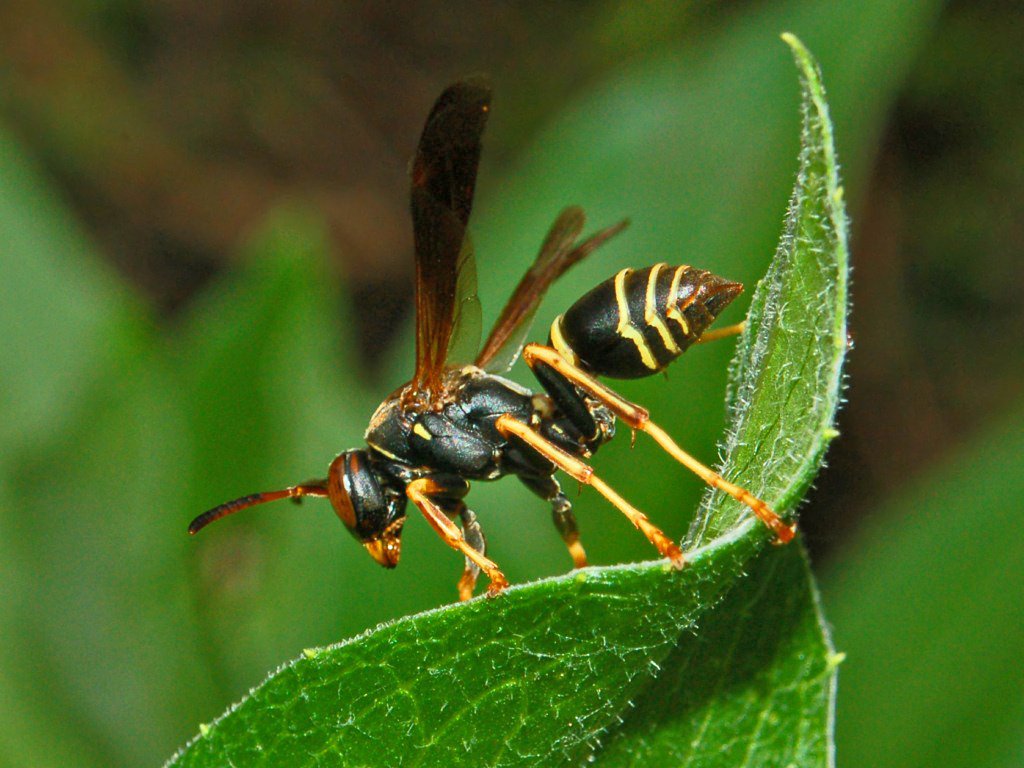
(562, 515)
(722, 333)
(419, 493)
(637, 417)
(474, 536)
(584, 473)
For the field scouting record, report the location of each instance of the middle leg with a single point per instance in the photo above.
(584, 473)
(561, 513)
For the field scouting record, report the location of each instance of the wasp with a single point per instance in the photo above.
(458, 420)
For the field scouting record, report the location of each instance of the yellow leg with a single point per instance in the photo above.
(565, 522)
(584, 473)
(722, 333)
(577, 552)
(467, 584)
(418, 492)
(637, 417)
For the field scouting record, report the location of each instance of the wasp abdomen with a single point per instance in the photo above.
(639, 321)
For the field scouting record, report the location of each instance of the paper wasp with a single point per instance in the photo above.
(457, 420)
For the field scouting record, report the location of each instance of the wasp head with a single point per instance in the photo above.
(369, 505)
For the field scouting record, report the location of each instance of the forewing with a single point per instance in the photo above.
(465, 339)
(443, 181)
(558, 253)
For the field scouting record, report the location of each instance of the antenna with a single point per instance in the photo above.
(318, 488)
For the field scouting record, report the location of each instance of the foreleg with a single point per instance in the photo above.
(420, 493)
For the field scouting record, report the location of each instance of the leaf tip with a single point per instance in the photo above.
(794, 42)
(803, 56)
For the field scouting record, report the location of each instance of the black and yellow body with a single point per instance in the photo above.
(636, 323)
(460, 421)
(616, 330)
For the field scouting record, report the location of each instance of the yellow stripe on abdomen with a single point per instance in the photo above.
(651, 316)
(560, 344)
(673, 309)
(626, 329)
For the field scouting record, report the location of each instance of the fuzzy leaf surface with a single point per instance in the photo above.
(785, 381)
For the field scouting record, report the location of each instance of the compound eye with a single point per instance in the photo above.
(355, 492)
(338, 487)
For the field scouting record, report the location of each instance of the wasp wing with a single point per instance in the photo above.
(558, 253)
(465, 339)
(443, 182)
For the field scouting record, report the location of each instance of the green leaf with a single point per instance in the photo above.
(532, 678)
(767, 661)
(785, 378)
(719, 666)
(752, 687)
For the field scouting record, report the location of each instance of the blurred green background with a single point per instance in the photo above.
(205, 290)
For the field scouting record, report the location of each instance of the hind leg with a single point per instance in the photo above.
(638, 418)
(722, 333)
